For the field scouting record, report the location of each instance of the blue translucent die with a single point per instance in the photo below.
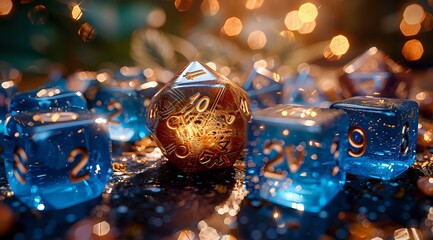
(145, 92)
(304, 90)
(382, 135)
(375, 74)
(121, 109)
(293, 155)
(56, 160)
(50, 99)
(263, 88)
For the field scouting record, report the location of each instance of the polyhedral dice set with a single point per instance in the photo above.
(296, 149)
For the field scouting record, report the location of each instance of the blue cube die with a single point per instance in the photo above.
(293, 155)
(52, 99)
(55, 160)
(382, 135)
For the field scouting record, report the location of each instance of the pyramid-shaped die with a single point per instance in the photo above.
(375, 74)
(199, 119)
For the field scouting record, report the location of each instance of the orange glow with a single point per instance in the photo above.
(86, 32)
(5, 7)
(256, 40)
(232, 26)
(307, 12)
(253, 4)
(288, 35)
(209, 7)
(307, 28)
(339, 45)
(156, 18)
(412, 50)
(183, 5)
(76, 12)
(409, 29)
(292, 21)
(413, 14)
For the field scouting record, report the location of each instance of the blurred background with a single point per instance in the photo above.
(57, 38)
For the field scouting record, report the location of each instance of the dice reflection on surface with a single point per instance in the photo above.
(382, 135)
(199, 119)
(56, 160)
(52, 99)
(375, 74)
(263, 88)
(293, 154)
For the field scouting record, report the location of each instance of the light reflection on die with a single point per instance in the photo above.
(55, 160)
(51, 99)
(293, 155)
(382, 135)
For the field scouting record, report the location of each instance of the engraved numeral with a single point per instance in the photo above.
(294, 163)
(194, 74)
(20, 157)
(223, 145)
(405, 140)
(119, 109)
(202, 104)
(361, 145)
(210, 160)
(244, 106)
(229, 119)
(73, 175)
(153, 112)
(182, 151)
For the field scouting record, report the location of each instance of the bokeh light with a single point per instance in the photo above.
(289, 35)
(232, 26)
(183, 5)
(339, 45)
(76, 12)
(38, 15)
(209, 7)
(253, 4)
(409, 29)
(256, 40)
(5, 7)
(307, 12)
(307, 27)
(86, 32)
(156, 18)
(412, 50)
(413, 14)
(292, 21)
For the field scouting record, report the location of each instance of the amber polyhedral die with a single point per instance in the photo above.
(199, 119)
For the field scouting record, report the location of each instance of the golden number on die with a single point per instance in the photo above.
(360, 146)
(153, 112)
(73, 175)
(294, 163)
(119, 109)
(405, 140)
(194, 74)
(20, 157)
(202, 103)
(244, 106)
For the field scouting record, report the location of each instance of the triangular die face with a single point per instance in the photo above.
(373, 60)
(196, 72)
(306, 92)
